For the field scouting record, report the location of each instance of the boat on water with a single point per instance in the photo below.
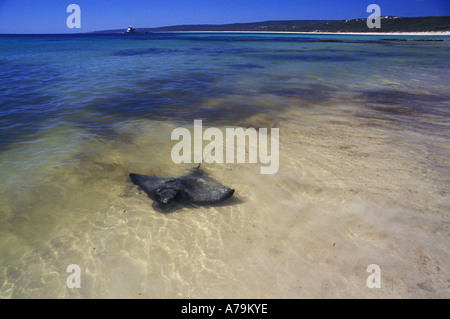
(130, 29)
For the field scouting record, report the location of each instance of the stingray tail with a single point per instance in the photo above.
(196, 170)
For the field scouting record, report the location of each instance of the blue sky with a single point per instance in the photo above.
(49, 16)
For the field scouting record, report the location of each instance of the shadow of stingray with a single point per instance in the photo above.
(175, 207)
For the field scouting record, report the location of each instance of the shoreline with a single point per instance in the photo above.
(437, 33)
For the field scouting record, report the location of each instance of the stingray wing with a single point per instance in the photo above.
(149, 184)
(203, 190)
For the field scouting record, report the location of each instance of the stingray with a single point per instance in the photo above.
(194, 188)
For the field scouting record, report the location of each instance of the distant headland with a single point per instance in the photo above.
(389, 24)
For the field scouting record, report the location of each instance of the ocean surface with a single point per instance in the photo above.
(364, 166)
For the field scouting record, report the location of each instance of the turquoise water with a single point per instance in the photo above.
(364, 140)
(94, 82)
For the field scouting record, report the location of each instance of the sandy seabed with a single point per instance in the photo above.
(362, 182)
(351, 191)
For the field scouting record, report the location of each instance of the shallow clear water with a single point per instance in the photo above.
(363, 178)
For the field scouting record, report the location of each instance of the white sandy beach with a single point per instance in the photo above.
(443, 33)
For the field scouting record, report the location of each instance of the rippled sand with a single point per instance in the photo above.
(351, 191)
(364, 174)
